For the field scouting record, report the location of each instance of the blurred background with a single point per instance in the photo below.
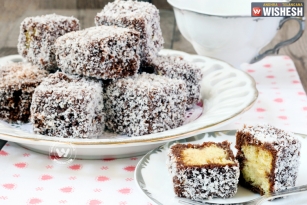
(12, 12)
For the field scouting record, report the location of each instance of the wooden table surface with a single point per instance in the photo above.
(12, 12)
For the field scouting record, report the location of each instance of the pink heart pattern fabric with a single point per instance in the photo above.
(282, 101)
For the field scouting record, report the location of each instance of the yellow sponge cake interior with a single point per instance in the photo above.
(206, 155)
(257, 166)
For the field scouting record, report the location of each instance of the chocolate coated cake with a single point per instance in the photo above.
(103, 52)
(17, 84)
(145, 104)
(140, 16)
(68, 106)
(177, 68)
(38, 34)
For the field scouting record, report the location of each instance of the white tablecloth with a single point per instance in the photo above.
(27, 177)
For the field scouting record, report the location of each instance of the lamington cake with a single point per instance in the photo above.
(38, 34)
(103, 52)
(203, 171)
(17, 84)
(178, 68)
(268, 157)
(145, 104)
(141, 16)
(68, 106)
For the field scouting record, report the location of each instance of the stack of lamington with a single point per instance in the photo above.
(101, 77)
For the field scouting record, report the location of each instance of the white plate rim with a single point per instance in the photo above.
(142, 139)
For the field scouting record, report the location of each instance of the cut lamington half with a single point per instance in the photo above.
(268, 157)
(203, 171)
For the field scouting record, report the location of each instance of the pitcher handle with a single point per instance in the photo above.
(275, 50)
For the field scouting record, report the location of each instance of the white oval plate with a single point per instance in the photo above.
(153, 179)
(226, 92)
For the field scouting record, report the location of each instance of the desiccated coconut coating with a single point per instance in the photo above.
(68, 106)
(145, 104)
(284, 149)
(141, 16)
(178, 68)
(38, 34)
(103, 52)
(203, 181)
(17, 84)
